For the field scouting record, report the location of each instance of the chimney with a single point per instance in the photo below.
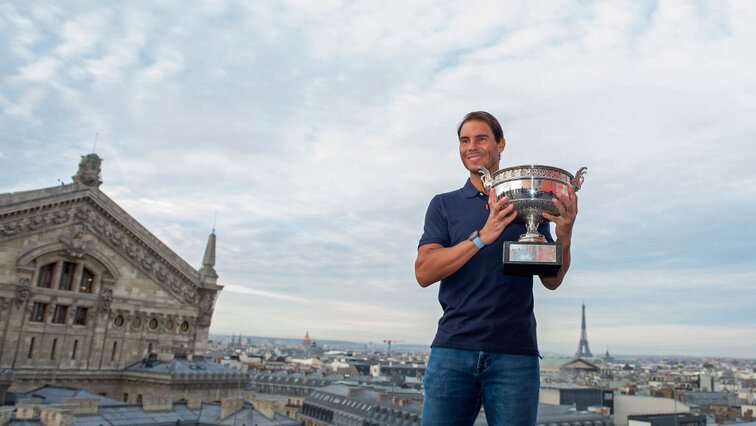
(6, 413)
(28, 408)
(230, 406)
(265, 407)
(194, 402)
(157, 402)
(56, 416)
(165, 354)
(82, 405)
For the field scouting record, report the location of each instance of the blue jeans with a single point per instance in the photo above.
(458, 381)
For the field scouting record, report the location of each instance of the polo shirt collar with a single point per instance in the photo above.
(469, 191)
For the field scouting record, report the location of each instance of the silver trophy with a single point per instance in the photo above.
(532, 190)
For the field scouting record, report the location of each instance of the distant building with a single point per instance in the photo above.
(306, 341)
(583, 350)
(666, 420)
(724, 406)
(559, 415)
(347, 405)
(87, 291)
(56, 405)
(635, 405)
(581, 397)
(182, 378)
(284, 384)
(579, 365)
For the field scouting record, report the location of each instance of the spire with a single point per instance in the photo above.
(207, 273)
(583, 350)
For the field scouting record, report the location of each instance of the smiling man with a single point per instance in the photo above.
(485, 350)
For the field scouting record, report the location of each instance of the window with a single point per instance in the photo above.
(59, 314)
(52, 349)
(44, 278)
(73, 351)
(66, 276)
(38, 312)
(125, 397)
(118, 321)
(31, 348)
(113, 354)
(87, 278)
(81, 316)
(153, 323)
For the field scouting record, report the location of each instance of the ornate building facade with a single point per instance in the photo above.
(87, 291)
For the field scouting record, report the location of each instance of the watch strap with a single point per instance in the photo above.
(476, 239)
(478, 242)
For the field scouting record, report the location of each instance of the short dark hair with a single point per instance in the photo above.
(486, 117)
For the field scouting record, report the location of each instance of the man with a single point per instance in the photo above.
(485, 349)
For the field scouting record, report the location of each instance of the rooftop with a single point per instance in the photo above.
(52, 394)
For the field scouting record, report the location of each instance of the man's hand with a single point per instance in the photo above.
(568, 208)
(500, 214)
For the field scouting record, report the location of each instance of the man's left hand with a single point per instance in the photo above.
(568, 208)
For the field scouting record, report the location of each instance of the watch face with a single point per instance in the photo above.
(473, 235)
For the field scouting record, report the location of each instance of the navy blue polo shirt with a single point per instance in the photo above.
(484, 310)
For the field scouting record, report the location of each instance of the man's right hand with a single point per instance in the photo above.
(500, 215)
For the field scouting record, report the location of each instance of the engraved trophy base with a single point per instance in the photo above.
(524, 258)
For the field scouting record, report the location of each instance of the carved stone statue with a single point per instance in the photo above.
(23, 291)
(77, 247)
(104, 300)
(89, 170)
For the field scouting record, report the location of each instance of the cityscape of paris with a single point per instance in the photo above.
(210, 212)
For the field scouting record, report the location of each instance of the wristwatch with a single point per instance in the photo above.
(476, 239)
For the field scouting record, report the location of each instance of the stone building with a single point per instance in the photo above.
(86, 290)
(57, 405)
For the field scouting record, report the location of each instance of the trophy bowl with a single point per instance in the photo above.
(531, 188)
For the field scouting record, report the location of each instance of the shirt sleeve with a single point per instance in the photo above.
(436, 229)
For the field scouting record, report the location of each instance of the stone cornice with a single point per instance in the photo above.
(50, 208)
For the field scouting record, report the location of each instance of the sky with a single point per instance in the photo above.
(312, 135)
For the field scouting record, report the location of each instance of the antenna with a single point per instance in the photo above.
(94, 148)
(215, 217)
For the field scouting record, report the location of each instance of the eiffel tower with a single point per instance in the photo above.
(583, 350)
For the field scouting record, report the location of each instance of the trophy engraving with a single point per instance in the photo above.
(531, 189)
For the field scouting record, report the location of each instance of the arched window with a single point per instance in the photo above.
(44, 278)
(84, 276)
(66, 276)
(87, 279)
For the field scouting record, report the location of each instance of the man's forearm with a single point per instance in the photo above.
(436, 262)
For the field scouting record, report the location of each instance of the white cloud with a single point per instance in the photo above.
(318, 132)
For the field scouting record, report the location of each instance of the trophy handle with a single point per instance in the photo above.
(486, 178)
(577, 182)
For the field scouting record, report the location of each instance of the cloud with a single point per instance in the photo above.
(318, 133)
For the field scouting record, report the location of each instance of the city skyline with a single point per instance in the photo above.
(318, 133)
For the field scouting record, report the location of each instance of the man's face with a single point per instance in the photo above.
(477, 146)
